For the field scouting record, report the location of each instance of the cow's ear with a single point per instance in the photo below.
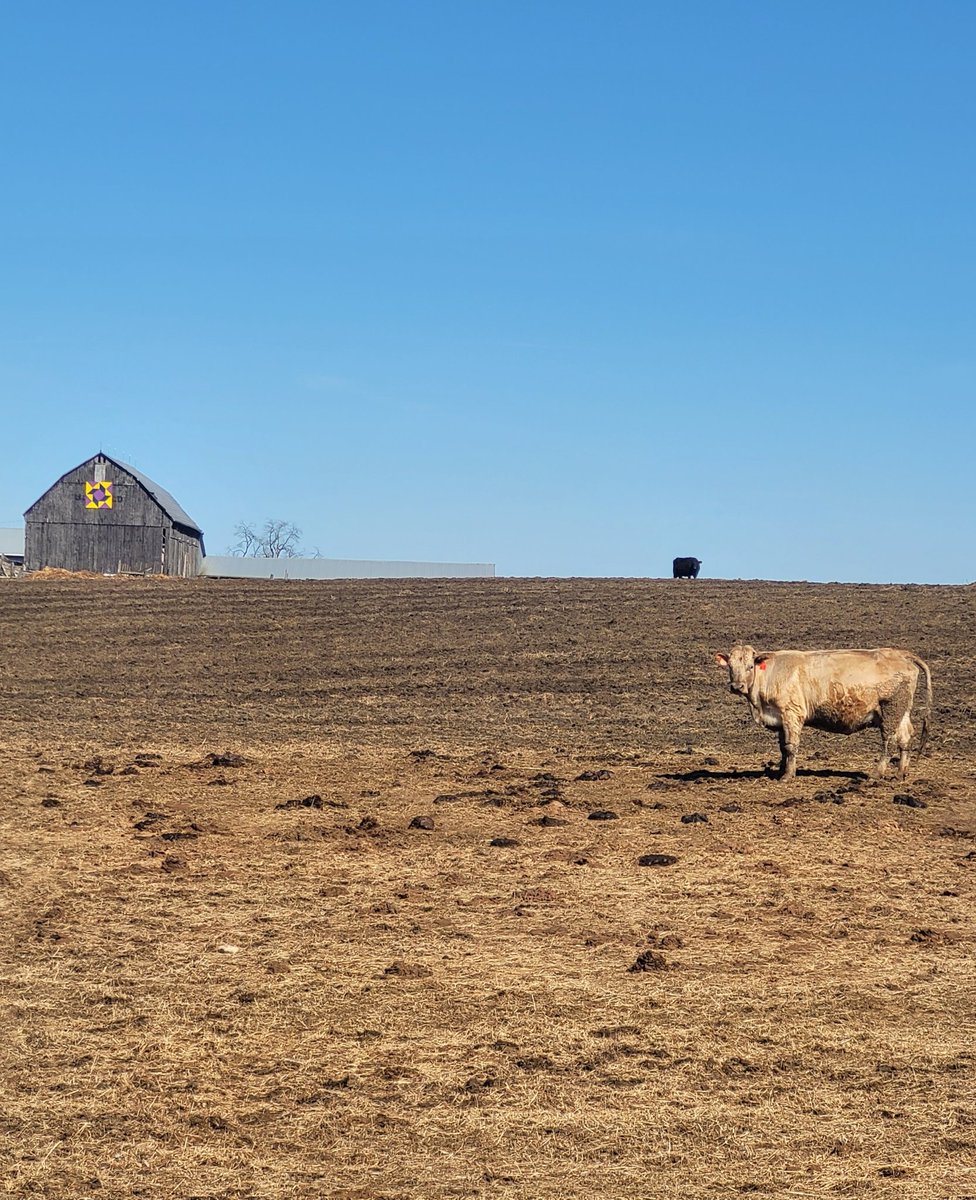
(759, 660)
(722, 660)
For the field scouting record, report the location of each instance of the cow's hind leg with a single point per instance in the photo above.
(904, 736)
(896, 731)
(789, 743)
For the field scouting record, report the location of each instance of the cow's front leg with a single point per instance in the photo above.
(789, 743)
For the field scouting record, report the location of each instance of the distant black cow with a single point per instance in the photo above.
(686, 568)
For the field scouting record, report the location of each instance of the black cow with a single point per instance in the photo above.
(686, 568)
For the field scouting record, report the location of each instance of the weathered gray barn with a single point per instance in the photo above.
(106, 516)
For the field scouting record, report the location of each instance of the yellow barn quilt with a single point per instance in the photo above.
(98, 495)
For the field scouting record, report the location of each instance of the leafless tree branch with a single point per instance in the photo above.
(275, 539)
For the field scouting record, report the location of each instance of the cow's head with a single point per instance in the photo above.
(742, 662)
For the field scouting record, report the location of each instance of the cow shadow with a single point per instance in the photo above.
(697, 776)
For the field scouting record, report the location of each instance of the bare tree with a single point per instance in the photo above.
(275, 539)
(246, 538)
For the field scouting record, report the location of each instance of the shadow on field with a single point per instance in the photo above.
(763, 773)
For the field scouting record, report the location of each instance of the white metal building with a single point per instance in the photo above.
(12, 545)
(231, 567)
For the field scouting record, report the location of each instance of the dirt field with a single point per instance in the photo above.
(234, 965)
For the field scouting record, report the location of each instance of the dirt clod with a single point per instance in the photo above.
(478, 1083)
(227, 759)
(931, 937)
(366, 825)
(534, 1062)
(98, 766)
(146, 759)
(150, 819)
(665, 941)
(649, 960)
(304, 802)
(405, 970)
(657, 860)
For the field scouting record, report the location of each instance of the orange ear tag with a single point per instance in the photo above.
(762, 665)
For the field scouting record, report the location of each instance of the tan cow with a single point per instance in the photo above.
(840, 691)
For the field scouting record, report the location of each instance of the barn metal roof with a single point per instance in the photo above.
(177, 514)
(160, 495)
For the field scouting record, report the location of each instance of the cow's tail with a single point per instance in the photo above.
(924, 736)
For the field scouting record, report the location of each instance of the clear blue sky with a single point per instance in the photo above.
(570, 287)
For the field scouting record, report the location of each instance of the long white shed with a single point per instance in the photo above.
(233, 567)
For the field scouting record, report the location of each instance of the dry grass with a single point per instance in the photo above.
(211, 992)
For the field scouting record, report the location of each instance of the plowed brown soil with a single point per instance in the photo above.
(235, 965)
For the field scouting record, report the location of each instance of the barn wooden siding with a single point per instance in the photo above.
(144, 532)
(182, 554)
